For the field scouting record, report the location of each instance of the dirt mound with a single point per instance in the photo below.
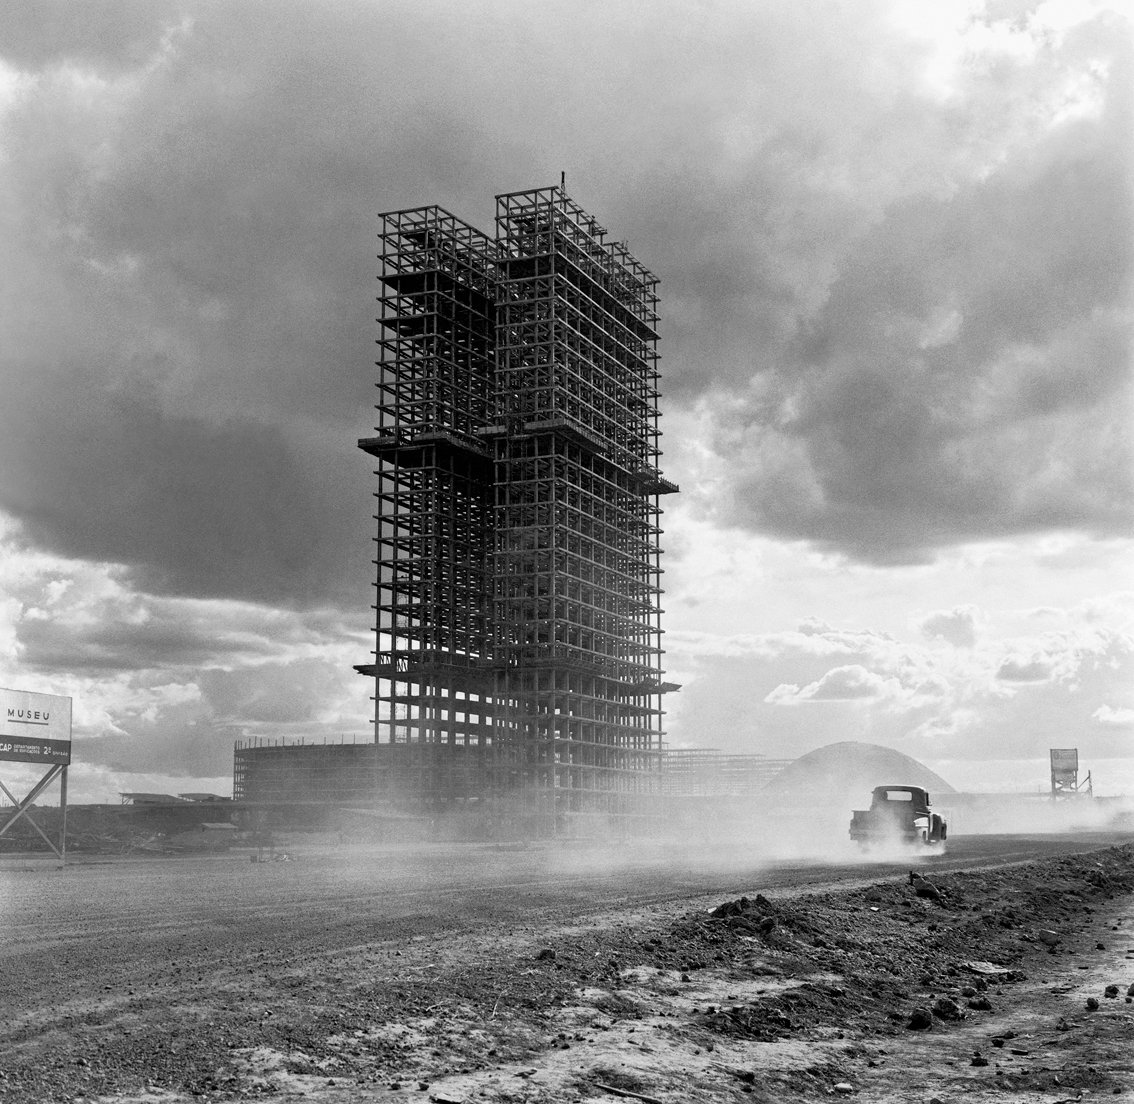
(842, 776)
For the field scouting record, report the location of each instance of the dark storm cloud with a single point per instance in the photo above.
(53, 646)
(899, 346)
(199, 507)
(968, 376)
(194, 326)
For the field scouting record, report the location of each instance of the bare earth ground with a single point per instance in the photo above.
(786, 997)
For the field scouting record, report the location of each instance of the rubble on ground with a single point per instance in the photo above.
(847, 978)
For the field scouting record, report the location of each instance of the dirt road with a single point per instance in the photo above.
(486, 973)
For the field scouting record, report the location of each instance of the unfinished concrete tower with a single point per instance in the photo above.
(518, 660)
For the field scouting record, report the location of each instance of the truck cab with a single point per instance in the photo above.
(898, 814)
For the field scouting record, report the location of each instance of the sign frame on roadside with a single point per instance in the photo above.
(36, 728)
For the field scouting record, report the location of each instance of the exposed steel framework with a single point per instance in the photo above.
(278, 773)
(519, 639)
(708, 772)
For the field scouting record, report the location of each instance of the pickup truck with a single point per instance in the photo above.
(898, 814)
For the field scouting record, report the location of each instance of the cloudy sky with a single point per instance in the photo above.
(894, 239)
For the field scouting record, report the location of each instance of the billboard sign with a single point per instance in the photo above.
(1065, 760)
(34, 728)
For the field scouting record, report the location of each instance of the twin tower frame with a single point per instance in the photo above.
(519, 641)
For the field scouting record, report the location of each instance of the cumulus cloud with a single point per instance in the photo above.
(1117, 718)
(1013, 695)
(956, 626)
(1025, 669)
(164, 685)
(76, 617)
(850, 683)
(810, 639)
